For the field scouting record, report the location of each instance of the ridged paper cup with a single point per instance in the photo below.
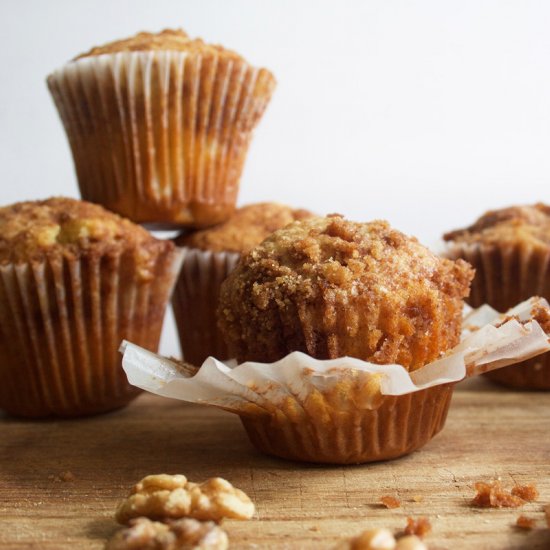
(61, 323)
(506, 275)
(345, 410)
(400, 425)
(195, 301)
(161, 136)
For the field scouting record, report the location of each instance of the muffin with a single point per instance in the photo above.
(332, 288)
(209, 256)
(159, 125)
(510, 250)
(76, 281)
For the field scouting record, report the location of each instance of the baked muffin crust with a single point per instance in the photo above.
(330, 287)
(248, 227)
(516, 225)
(168, 39)
(35, 230)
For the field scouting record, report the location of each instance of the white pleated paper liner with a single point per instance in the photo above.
(195, 301)
(161, 136)
(344, 410)
(505, 275)
(61, 323)
(487, 344)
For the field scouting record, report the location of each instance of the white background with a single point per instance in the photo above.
(425, 113)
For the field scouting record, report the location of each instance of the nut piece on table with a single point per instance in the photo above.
(165, 496)
(411, 542)
(374, 539)
(181, 534)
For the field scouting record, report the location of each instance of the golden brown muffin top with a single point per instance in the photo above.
(248, 227)
(35, 230)
(365, 287)
(168, 39)
(513, 225)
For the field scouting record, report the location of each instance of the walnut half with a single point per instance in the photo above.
(181, 534)
(165, 496)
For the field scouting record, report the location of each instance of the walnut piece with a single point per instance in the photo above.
(410, 542)
(528, 493)
(523, 522)
(492, 495)
(390, 502)
(374, 539)
(165, 496)
(181, 534)
(419, 527)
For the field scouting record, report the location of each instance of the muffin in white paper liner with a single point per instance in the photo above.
(345, 410)
(195, 301)
(161, 137)
(61, 322)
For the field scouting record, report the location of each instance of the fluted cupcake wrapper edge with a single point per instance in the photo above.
(334, 403)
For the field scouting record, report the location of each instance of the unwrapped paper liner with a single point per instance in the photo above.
(490, 340)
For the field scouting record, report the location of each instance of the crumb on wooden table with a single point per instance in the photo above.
(523, 522)
(492, 495)
(63, 476)
(390, 501)
(529, 493)
(419, 527)
(418, 498)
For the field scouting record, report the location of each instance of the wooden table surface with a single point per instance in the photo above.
(489, 434)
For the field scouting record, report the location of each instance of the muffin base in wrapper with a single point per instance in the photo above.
(344, 410)
(161, 136)
(505, 275)
(195, 301)
(61, 322)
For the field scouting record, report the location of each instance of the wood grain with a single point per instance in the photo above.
(489, 434)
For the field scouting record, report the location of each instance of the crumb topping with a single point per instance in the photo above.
(331, 287)
(247, 228)
(513, 225)
(34, 230)
(168, 39)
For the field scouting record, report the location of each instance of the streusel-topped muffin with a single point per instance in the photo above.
(331, 287)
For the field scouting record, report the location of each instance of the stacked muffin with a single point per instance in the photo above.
(159, 126)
